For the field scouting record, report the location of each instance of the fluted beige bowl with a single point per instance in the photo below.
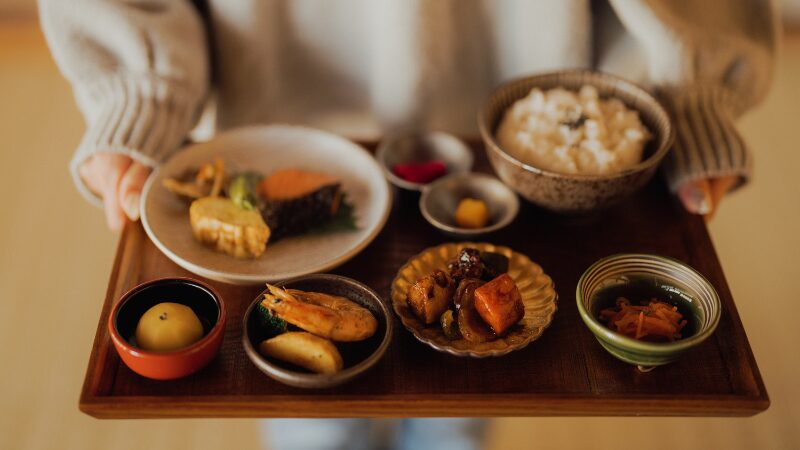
(571, 193)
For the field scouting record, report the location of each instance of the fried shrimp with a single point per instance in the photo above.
(328, 316)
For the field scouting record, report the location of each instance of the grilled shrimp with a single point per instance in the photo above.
(328, 316)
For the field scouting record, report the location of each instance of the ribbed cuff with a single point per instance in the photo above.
(707, 144)
(145, 118)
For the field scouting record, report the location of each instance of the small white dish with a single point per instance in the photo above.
(265, 149)
(420, 147)
(440, 199)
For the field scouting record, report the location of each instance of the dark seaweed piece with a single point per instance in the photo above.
(298, 215)
(343, 220)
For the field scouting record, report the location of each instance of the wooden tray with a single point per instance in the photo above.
(565, 372)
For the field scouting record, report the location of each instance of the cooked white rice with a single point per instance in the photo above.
(573, 132)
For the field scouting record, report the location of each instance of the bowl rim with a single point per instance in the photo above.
(653, 160)
(138, 352)
(659, 348)
(507, 218)
(391, 139)
(314, 380)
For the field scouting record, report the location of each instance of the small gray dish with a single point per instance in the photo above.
(419, 147)
(358, 356)
(440, 199)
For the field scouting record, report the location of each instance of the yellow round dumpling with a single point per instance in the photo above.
(167, 327)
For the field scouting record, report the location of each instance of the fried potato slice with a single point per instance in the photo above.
(305, 350)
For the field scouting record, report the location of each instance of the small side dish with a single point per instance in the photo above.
(463, 303)
(316, 331)
(165, 340)
(473, 299)
(647, 310)
(321, 320)
(573, 132)
(238, 214)
(652, 320)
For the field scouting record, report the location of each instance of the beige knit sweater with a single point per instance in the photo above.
(141, 69)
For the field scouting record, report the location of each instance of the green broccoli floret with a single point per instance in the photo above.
(272, 324)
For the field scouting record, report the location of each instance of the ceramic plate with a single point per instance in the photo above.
(537, 290)
(266, 149)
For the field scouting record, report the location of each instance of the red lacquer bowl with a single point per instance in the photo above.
(204, 301)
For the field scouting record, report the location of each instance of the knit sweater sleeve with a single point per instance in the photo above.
(708, 62)
(139, 72)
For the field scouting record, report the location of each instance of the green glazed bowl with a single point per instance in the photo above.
(677, 279)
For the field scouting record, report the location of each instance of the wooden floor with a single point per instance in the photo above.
(55, 256)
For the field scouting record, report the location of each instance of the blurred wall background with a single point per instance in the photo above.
(56, 255)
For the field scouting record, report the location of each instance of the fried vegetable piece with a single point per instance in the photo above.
(218, 222)
(499, 303)
(430, 296)
(206, 182)
(305, 350)
(470, 324)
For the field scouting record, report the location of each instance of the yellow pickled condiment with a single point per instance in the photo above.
(472, 213)
(168, 326)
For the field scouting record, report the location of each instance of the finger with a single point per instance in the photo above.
(719, 187)
(102, 172)
(696, 197)
(130, 188)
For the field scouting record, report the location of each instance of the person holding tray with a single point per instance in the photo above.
(144, 71)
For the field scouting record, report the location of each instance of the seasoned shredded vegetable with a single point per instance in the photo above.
(654, 320)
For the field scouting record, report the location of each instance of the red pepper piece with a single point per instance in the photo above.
(420, 172)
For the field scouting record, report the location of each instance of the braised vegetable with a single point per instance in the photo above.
(470, 324)
(242, 190)
(467, 264)
(449, 325)
(499, 303)
(471, 263)
(494, 265)
(652, 321)
(430, 296)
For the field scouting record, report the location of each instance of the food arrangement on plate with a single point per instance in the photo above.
(287, 200)
(316, 331)
(322, 319)
(473, 299)
(239, 213)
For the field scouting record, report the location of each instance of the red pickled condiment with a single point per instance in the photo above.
(420, 172)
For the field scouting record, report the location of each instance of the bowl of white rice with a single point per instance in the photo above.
(575, 140)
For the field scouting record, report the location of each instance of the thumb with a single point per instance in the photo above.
(696, 196)
(130, 188)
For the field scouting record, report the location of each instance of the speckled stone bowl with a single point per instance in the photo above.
(570, 193)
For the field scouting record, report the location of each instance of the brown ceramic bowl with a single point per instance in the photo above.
(572, 193)
(358, 356)
(203, 300)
